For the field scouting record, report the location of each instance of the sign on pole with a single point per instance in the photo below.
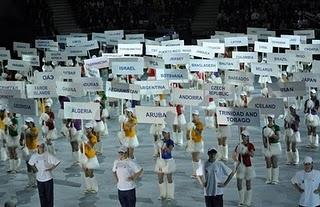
(188, 97)
(153, 87)
(41, 90)
(289, 89)
(216, 91)
(23, 106)
(154, 115)
(267, 106)
(123, 91)
(310, 79)
(239, 77)
(80, 110)
(238, 116)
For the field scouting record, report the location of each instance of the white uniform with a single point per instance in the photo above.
(308, 181)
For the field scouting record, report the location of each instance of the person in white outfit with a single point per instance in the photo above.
(311, 108)
(272, 149)
(307, 182)
(165, 166)
(223, 132)
(12, 142)
(49, 133)
(243, 155)
(156, 129)
(292, 135)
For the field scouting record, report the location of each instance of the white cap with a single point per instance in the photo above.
(29, 119)
(245, 133)
(166, 129)
(156, 98)
(284, 73)
(221, 100)
(97, 98)
(307, 159)
(313, 91)
(129, 110)
(123, 149)
(196, 112)
(88, 125)
(47, 104)
(270, 115)
(243, 93)
(18, 76)
(293, 106)
(264, 91)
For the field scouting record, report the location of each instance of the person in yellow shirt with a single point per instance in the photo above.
(130, 139)
(89, 160)
(29, 138)
(195, 141)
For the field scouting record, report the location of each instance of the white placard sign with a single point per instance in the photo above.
(26, 51)
(265, 69)
(201, 41)
(289, 89)
(202, 52)
(76, 51)
(89, 45)
(34, 60)
(2, 48)
(172, 74)
(236, 41)
(111, 55)
(153, 50)
(98, 62)
(153, 115)
(129, 42)
(42, 44)
(228, 63)
(77, 34)
(310, 79)
(203, 65)
(100, 37)
(293, 39)
(279, 42)
(245, 57)
(153, 87)
(91, 84)
(239, 77)
(138, 37)
(125, 68)
(314, 49)
(18, 65)
(67, 73)
(264, 47)
(316, 66)
(5, 55)
(216, 91)
(267, 106)
(300, 56)
(254, 30)
(14, 85)
(114, 34)
(176, 58)
(169, 50)
(130, 49)
(315, 42)
(80, 110)
(48, 77)
(152, 62)
(238, 116)
(188, 97)
(20, 45)
(280, 58)
(8, 94)
(263, 35)
(23, 106)
(41, 90)
(216, 47)
(93, 72)
(151, 42)
(308, 33)
(56, 56)
(62, 39)
(69, 89)
(252, 38)
(122, 91)
(172, 43)
(74, 41)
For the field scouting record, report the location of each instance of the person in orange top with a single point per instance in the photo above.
(195, 141)
(130, 139)
(29, 137)
(89, 160)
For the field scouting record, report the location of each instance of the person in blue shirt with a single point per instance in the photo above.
(165, 165)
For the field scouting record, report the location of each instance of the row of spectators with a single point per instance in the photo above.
(99, 15)
(236, 15)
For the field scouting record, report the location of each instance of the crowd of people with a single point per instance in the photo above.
(147, 15)
(272, 14)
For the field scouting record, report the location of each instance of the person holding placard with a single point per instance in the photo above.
(29, 135)
(156, 129)
(307, 182)
(126, 172)
(292, 135)
(195, 141)
(88, 160)
(243, 155)
(72, 131)
(272, 149)
(100, 126)
(12, 142)
(130, 139)
(165, 165)
(223, 132)
(48, 127)
(311, 108)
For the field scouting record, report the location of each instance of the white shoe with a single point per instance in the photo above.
(163, 192)
(170, 191)
(295, 156)
(269, 176)
(289, 158)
